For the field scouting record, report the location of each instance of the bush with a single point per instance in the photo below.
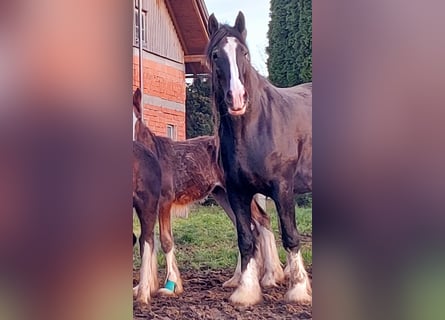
(304, 200)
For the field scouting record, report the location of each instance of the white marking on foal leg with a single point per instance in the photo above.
(299, 285)
(143, 294)
(249, 290)
(236, 87)
(173, 282)
(234, 281)
(273, 272)
(154, 284)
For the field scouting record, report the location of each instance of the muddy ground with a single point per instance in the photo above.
(205, 298)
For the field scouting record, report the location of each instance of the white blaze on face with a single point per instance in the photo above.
(134, 125)
(236, 86)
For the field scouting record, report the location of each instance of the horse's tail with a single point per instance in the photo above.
(180, 211)
(259, 214)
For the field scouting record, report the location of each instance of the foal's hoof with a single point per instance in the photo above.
(166, 292)
(171, 289)
(143, 298)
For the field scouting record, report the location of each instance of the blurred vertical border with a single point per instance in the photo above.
(65, 159)
(378, 159)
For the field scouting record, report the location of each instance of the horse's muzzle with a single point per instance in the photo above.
(236, 105)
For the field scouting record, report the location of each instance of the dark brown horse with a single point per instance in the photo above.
(189, 173)
(265, 146)
(146, 193)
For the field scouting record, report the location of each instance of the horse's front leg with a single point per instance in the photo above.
(249, 290)
(299, 283)
(220, 195)
(173, 282)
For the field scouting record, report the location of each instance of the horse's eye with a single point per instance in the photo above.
(215, 55)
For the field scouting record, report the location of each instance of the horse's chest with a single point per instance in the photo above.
(246, 169)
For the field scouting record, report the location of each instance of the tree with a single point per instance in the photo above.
(199, 116)
(290, 42)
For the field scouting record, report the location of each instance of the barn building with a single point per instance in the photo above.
(174, 37)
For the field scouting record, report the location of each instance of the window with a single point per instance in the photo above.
(171, 131)
(136, 27)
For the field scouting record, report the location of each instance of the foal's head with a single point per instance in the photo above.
(228, 56)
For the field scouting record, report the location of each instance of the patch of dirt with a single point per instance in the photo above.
(205, 298)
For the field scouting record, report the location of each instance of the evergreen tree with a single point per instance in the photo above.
(199, 116)
(290, 42)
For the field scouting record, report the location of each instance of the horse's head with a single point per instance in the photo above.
(228, 56)
(136, 111)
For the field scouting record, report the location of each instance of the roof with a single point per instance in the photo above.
(190, 19)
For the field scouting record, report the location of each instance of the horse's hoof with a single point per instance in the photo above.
(143, 299)
(246, 298)
(268, 281)
(298, 294)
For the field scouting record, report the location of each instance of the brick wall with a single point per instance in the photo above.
(157, 119)
(167, 83)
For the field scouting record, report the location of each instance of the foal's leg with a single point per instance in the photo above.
(249, 290)
(299, 284)
(148, 281)
(173, 282)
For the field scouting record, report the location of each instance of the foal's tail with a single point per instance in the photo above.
(180, 211)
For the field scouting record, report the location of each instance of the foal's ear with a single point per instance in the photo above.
(137, 102)
(240, 24)
(213, 24)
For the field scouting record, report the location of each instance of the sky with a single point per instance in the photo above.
(256, 13)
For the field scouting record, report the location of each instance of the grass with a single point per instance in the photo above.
(207, 238)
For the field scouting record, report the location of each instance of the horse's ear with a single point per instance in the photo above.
(240, 24)
(137, 102)
(213, 24)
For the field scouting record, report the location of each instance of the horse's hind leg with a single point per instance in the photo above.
(299, 283)
(173, 282)
(148, 282)
(272, 266)
(273, 272)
